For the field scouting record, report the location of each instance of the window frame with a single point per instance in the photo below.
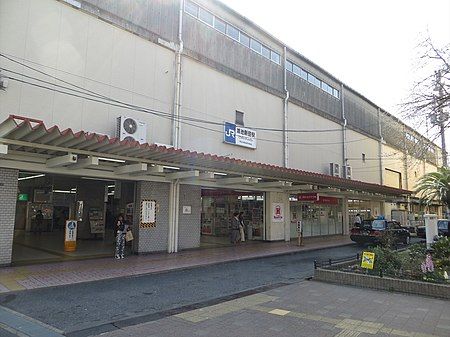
(239, 120)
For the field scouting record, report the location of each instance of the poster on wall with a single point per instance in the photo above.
(278, 212)
(148, 214)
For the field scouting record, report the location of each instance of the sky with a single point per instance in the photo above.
(370, 46)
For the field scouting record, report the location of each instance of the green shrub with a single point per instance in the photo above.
(387, 261)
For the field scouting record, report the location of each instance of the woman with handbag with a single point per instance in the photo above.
(121, 231)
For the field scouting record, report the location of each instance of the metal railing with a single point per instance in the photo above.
(331, 262)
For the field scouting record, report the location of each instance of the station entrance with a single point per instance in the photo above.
(218, 206)
(46, 201)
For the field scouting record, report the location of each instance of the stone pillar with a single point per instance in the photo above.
(156, 238)
(8, 198)
(277, 228)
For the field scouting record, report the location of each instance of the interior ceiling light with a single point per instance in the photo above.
(171, 167)
(112, 160)
(31, 177)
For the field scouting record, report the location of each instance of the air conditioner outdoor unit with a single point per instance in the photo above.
(129, 128)
(335, 170)
(348, 172)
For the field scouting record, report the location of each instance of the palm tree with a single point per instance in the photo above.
(435, 186)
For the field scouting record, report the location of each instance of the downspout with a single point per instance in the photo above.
(344, 134)
(177, 96)
(285, 112)
(380, 147)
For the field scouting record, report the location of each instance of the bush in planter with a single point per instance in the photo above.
(441, 253)
(387, 261)
(411, 261)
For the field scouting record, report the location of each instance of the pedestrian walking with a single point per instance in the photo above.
(241, 226)
(234, 235)
(121, 231)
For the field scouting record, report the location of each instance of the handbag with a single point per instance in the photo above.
(129, 236)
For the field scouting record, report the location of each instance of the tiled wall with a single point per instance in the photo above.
(152, 239)
(189, 224)
(8, 197)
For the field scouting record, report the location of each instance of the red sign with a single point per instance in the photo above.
(308, 197)
(318, 199)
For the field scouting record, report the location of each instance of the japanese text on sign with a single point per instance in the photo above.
(148, 213)
(368, 259)
(240, 136)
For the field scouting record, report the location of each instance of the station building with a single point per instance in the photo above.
(178, 113)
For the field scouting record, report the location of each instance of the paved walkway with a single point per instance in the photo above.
(307, 309)
(63, 273)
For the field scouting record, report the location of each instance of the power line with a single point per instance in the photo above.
(117, 101)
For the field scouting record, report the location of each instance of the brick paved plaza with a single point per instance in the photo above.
(308, 309)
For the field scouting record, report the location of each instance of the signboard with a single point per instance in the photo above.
(317, 199)
(368, 259)
(238, 135)
(70, 239)
(148, 214)
(187, 209)
(22, 197)
(278, 212)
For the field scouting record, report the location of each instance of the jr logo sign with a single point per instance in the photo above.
(230, 133)
(238, 135)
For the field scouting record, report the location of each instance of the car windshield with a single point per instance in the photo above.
(378, 224)
(442, 224)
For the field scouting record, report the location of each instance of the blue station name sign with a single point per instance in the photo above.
(238, 135)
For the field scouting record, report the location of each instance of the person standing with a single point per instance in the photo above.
(241, 226)
(121, 227)
(234, 235)
(39, 221)
(358, 220)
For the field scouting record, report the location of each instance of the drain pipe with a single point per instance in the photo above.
(344, 134)
(380, 147)
(285, 111)
(177, 96)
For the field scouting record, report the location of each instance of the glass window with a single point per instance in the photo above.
(303, 74)
(335, 93)
(255, 45)
(318, 83)
(266, 52)
(205, 16)
(239, 118)
(330, 90)
(296, 70)
(191, 8)
(220, 25)
(324, 86)
(244, 39)
(232, 32)
(312, 79)
(289, 66)
(275, 57)
(378, 224)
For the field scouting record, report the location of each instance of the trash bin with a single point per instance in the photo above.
(249, 232)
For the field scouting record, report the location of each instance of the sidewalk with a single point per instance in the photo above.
(64, 273)
(306, 309)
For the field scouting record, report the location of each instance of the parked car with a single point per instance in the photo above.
(443, 229)
(374, 231)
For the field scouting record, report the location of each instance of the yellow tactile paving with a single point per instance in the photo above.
(350, 327)
(279, 312)
(217, 310)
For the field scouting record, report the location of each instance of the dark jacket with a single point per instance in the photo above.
(235, 223)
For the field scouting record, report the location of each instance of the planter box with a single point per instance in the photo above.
(383, 283)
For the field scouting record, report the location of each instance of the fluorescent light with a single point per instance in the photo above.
(111, 160)
(111, 193)
(111, 186)
(171, 167)
(220, 174)
(63, 191)
(31, 177)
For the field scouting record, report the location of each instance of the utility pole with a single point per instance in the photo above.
(442, 117)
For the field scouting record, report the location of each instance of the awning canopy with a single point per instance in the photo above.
(30, 137)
